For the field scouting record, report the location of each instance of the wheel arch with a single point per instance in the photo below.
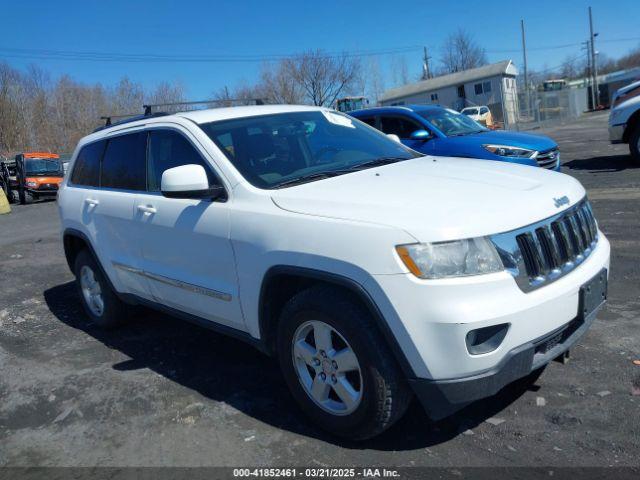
(632, 124)
(74, 241)
(281, 282)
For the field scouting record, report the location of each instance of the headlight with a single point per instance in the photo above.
(32, 184)
(507, 151)
(459, 258)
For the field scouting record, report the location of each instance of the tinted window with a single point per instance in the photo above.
(272, 150)
(403, 127)
(123, 164)
(371, 121)
(169, 149)
(86, 170)
(484, 110)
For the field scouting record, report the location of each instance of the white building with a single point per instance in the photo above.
(491, 85)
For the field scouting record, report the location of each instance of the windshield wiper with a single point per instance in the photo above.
(377, 162)
(334, 173)
(311, 177)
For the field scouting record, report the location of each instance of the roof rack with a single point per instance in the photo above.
(132, 117)
(147, 108)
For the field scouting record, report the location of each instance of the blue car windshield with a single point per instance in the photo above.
(451, 123)
(279, 150)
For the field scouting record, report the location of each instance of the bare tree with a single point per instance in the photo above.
(166, 92)
(399, 70)
(277, 85)
(461, 52)
(376, 80)
(323, 78)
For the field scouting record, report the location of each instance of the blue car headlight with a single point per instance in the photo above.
(508, 151)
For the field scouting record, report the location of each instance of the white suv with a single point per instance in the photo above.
(374, 274)
(624, 118)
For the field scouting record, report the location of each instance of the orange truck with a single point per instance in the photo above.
(37, 175)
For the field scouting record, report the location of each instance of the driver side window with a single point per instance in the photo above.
(402, 127)
(168, 149)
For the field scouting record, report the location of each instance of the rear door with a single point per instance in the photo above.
(122, 176)
(187, 254)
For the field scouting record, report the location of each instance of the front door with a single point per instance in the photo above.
(187, 255)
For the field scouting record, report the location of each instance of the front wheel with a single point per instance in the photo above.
(634, 144)
(99, 300)
(338, 366)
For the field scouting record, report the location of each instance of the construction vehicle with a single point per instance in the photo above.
(348, 104)
(31, 176)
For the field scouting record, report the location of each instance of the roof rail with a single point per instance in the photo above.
(147, 108)
(132, 117)
(128, 118)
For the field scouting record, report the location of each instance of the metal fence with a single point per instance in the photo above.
(539, 109)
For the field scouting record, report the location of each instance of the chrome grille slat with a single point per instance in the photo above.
(545, 251)
(547, 158)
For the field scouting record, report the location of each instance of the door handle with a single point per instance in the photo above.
(147, 209)
(92, 202)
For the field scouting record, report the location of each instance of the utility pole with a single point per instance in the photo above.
(587, 46)
(594, 68)
(526, 77)
(426, 72)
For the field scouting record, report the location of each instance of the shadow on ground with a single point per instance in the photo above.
(611, 163)
(227, 370)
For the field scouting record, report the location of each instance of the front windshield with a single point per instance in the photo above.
(276, 150)
(470, 111)
(42, 166)
(452, 123)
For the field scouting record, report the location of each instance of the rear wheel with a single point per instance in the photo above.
(634, 144)
(337, 365)
(100, 302)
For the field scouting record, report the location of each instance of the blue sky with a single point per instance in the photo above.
(216, 27)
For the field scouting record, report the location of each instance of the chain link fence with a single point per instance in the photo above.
(540, 109)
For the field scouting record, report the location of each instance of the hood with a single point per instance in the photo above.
(512, 139)
(437, 198)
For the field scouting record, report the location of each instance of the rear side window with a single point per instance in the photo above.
(371, 121)
(124, 162)
(169, 149)
(86, 170)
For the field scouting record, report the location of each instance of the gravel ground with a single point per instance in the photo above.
(161, 392)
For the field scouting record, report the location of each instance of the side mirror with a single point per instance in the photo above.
(420, 135)
(189, 181)
(394, 137)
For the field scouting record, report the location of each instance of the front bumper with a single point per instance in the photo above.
(616, 133)
(36, 192)
(441, 398)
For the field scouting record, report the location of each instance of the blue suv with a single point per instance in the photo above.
(434, 130)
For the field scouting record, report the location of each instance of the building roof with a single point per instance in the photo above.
(506, 67)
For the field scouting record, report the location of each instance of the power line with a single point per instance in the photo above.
(41, 54)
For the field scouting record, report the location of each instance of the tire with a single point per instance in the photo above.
(378, 386)
(99, 301)
(634, 144)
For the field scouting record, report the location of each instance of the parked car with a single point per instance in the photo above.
(624, 118)
(480, 114)
(372, 273)
(434, 130)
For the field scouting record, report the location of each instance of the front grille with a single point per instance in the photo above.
(548, 158)
(543, 252)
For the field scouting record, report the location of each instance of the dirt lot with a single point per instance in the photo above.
(162, 392)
